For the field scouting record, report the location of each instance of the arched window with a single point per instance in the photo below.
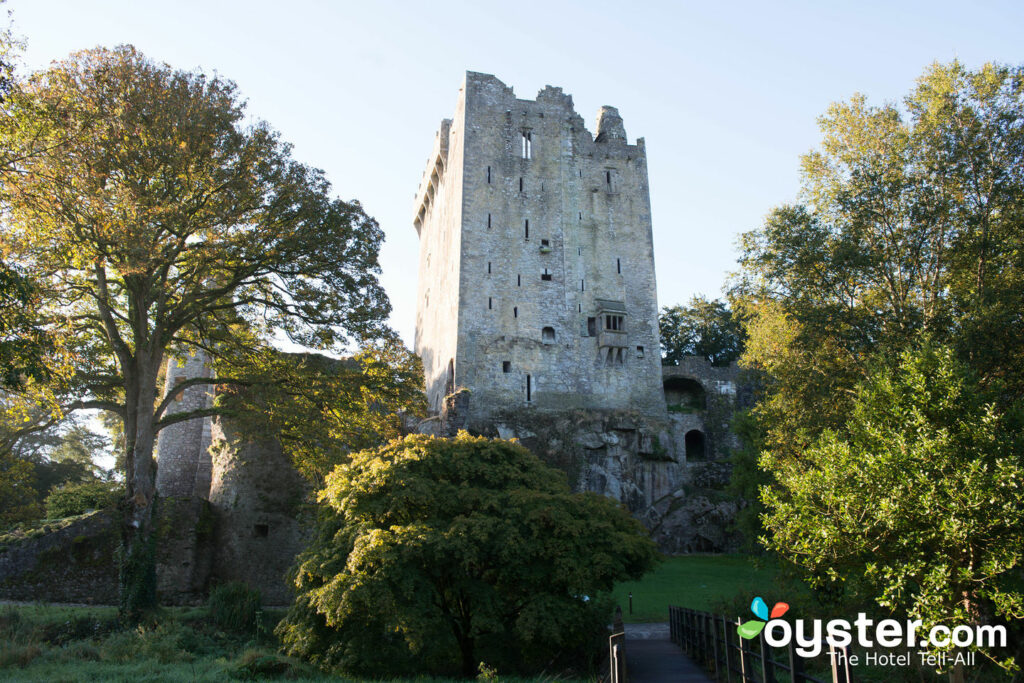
(547, 335)
(449, 383)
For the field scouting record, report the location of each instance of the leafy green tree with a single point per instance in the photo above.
(433, 555)
(321, 409)
(154, 219)
(910, 222)
(917, 504)
(908, 226)
(19, 501)
(702, 328)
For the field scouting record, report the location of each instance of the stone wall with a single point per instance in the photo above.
(75, 559)
(635, 460)
(185, 550)
(72, 560)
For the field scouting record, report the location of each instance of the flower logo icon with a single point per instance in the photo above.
(750, 629)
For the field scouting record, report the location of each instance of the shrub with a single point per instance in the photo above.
(76, 499)
(259, 665)
(433, 555)
(161, 643)
(18, 654)
(236, 607)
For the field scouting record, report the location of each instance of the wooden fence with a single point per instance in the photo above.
(712, 641)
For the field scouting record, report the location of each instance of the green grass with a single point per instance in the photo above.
(61, 643)
(695, 581)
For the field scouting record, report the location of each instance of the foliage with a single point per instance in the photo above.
(433, 555)
(747, 478)
(79, 498)
(235, 607)
(18, 499)
(702, 328)
(910, 223)
(153, 218)
(908, 233)
(261, 665)
(919, 502)
(321, 409)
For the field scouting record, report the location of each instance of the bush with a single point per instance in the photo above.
(76, 499)
(259, 665)
(236, 607)
(161, 643)
(18, 654)
(433, 555)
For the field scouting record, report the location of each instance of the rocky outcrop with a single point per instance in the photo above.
(636, 461)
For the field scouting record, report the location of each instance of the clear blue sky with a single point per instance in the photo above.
(726, 94)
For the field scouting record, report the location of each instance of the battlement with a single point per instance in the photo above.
(432, 174)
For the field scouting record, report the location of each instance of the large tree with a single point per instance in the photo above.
(432, 555)
(154, 217)
(910, 222)
(909, 232)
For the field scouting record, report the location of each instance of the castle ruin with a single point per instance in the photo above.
(537, 319)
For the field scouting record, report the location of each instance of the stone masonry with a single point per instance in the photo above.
(536, 275)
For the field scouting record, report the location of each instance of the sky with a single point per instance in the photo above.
(725, 94)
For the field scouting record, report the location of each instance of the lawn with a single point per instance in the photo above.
(695, 581)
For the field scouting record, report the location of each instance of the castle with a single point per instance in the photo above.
(536, 265)
(536, 319)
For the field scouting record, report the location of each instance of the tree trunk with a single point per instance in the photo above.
(138, 539)
(469, 663)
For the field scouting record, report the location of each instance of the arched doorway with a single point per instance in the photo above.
(695, 446)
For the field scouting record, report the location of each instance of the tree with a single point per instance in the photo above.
(703, 328)
(154, 220)
(917, 504)
(322, 409)
(433, 555)
(909, 227)
(19, 501)
(910, 222)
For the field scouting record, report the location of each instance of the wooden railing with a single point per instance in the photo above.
(712, 641)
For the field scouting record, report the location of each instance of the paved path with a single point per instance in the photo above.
(652, 658)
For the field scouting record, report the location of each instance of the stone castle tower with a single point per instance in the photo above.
(234, 499)
(536, 267)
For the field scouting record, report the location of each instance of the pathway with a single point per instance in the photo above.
(652, 658)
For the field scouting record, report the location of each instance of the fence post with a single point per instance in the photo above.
(709, 639)
(714, 643)
(796, 664)
(728, 655)
(840, 657)
(767, 663)
(688, 631)
(744, 655)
